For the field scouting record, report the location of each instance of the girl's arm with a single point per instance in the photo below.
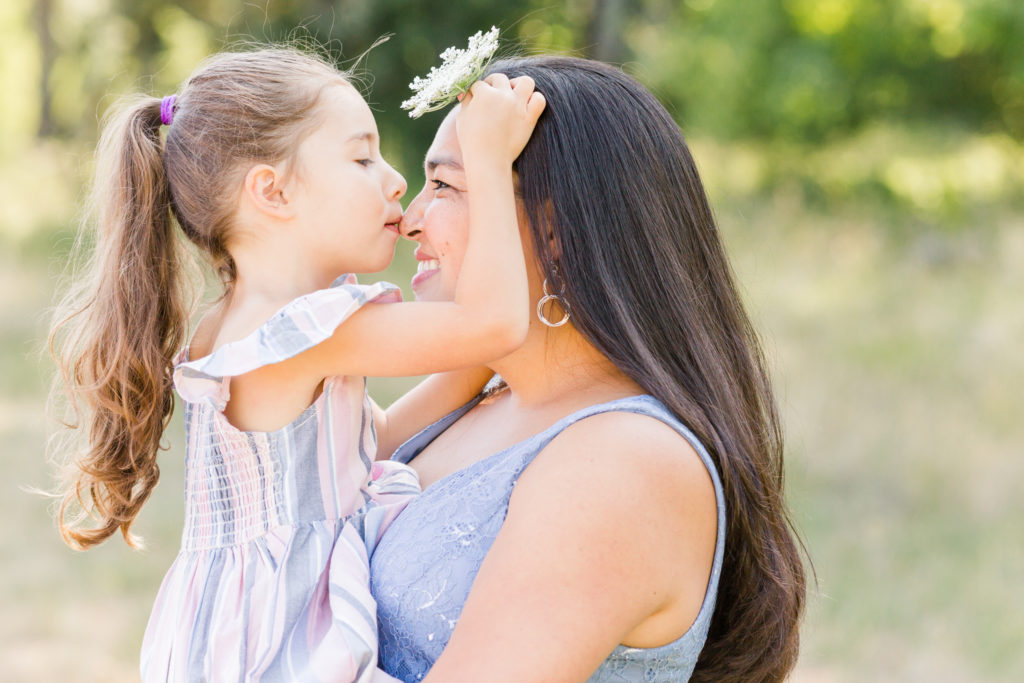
(427, 402)
(611, 527)
(490, 314)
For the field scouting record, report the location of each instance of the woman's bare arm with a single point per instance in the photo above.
(427, 402)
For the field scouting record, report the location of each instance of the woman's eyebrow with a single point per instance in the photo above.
(450, 162)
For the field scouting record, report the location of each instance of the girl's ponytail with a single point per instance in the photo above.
(114, 336)
(116, 333)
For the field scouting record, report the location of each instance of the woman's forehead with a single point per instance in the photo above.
(445, 149)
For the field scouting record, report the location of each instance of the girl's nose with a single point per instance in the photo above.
(399, 186)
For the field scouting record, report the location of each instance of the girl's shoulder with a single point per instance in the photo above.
(204, 337)
(294, 328)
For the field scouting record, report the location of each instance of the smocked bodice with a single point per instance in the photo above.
(272, 582)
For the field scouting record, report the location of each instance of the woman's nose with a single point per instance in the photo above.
(410, 226)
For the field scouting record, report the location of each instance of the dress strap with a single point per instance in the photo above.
(643, 404)
(417, 442)
(297, 327)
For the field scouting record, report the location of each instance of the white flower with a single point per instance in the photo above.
(458, 71)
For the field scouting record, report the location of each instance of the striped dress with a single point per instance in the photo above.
(272, 581)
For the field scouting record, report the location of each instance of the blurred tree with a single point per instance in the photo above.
(420, 32)
(809, 70)
(47, 55)
(777, 74)
(605, 29)
(803, 70)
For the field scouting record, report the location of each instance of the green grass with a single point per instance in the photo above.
(896, 350)
(897, 371)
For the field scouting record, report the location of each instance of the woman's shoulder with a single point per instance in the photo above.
(624, 499)
(613, 451)
(630, 464)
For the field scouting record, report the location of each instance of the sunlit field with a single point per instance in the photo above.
(896, 345)
(897, 361)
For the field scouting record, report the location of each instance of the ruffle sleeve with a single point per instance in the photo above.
(297, 327)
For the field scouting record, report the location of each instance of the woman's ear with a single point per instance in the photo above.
(550, 248)
(549, 231)
(264, 190)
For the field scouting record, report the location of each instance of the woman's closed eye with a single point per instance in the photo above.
(439, 184)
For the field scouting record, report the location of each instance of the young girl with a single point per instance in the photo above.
(271, 166)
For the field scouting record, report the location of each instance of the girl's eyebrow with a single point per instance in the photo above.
(450, 162)
(364, 135)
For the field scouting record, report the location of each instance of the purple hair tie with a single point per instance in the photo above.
(167, 109)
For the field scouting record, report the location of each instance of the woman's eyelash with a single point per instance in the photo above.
(440, 184)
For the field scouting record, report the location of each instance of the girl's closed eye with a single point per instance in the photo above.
(364, 162)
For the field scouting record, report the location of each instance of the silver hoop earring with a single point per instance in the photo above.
(544, 300)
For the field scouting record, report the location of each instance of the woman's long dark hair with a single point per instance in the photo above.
(614, 199)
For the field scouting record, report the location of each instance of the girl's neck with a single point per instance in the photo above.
(262, 286)
(556, 364)
(272, 275)
(274, 287)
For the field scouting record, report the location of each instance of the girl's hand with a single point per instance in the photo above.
(498, 116)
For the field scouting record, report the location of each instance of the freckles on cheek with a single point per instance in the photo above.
(441, 248)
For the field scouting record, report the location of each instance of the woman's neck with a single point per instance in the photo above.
(556, 363)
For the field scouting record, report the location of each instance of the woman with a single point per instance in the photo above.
(616, 503)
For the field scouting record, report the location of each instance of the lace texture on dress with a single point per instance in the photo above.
(423, 568)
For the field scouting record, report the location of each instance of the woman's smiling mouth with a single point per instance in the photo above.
(429, 264)
(425, 268)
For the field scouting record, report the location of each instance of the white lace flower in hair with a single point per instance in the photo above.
(458, 71)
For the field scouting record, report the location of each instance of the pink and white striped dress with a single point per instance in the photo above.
(272, 582)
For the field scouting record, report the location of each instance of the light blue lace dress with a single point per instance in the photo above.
(424, 565)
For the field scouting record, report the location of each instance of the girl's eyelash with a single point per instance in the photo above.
(364, 162)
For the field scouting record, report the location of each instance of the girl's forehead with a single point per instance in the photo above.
(345, 109)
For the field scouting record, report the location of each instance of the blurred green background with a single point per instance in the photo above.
(866, 163)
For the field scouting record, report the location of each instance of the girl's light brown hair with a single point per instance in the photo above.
(116, 332)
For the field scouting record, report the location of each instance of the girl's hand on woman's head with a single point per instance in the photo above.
(498, 116)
